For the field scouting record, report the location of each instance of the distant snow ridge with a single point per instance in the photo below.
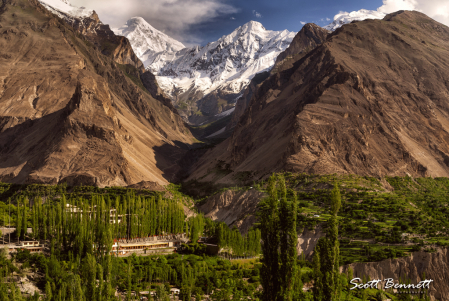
(346, 18)
(229, 63)
(224, 67)
(63, 9)
(149, 43)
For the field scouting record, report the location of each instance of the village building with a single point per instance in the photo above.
(149, 245)
(113, 216)
(31, 246)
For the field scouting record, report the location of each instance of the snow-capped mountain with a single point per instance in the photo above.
(64, 9)
(232, 60)
(149, 43)
(346, 18)
(205, 81)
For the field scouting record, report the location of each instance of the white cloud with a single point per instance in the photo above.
(390, 6)
(302, 22)
(327, 19)
(232, 18)
(174, 17)
(258, 15)
(436, 9)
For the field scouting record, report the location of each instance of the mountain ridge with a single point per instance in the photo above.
(205, 81)
(74, 109)
(327, 114)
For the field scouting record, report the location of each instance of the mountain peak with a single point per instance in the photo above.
(138, 21)
(252, 26)
(63, 8)
(147, 40)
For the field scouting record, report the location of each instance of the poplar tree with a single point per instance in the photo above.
(18, 221)
(277, 215)
(327, 254)
(24, 218)
(48, 294)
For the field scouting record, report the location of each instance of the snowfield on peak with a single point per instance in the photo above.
(147, 41)
(343, 18)
(205, 80)
(63, 8)
(233, 59)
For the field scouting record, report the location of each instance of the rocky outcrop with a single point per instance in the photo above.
(309, 37)
(371, 100)
(435, 266)
(307, 241)
(235, 208)
(70, 114)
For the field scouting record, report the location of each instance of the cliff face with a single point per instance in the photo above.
(309, 37)
(370, 100)
(69, 113)
(434, 265)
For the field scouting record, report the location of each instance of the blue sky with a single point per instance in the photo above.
(278, 15)
(196, 22)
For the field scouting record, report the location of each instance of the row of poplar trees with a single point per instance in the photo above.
(280, 274)
(239, 245)
(94, 223)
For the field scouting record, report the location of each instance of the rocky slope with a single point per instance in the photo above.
(235, 208)
(371, 100)
(244, 100)
(434, 265)
(206, 81)
(70, 111)
(307, 39)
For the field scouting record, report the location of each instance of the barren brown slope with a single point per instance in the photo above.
(307, 39)
(69, 113)
(371, 100)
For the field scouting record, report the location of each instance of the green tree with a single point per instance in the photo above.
(48, 294)
(18, 221)
(327, 253)
(161, 293)
(269, 226)
(318, 277)
(277, 215)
